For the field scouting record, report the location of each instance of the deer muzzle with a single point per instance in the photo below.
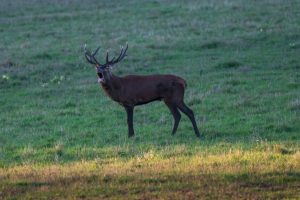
(100, 77)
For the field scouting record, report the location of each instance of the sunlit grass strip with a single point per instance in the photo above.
(234, 162)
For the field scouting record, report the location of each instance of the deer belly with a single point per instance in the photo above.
(145, 101)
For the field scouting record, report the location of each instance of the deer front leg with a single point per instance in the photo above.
(129, 111)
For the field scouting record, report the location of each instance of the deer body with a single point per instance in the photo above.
(137, 90)
(133, 90)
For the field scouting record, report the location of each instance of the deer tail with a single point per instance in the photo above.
(185, 84)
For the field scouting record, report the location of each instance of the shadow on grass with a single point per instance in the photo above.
(178, 186)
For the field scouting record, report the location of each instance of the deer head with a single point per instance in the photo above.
(104, 70)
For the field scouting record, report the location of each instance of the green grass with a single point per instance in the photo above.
(242, 66)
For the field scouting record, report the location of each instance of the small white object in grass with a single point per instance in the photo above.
(44, 84)
(5, 77)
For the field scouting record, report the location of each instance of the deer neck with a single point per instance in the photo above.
(113, 87)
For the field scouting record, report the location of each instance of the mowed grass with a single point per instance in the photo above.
(61, 137)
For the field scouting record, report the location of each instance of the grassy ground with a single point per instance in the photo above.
(61, 137)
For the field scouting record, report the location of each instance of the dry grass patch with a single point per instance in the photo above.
(253, 174)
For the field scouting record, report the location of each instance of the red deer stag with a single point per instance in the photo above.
(133, 90)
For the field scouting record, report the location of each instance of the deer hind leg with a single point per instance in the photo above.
(186, 110)
(176, 114)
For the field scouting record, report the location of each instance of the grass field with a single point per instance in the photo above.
(62, 138)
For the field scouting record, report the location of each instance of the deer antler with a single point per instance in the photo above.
(90, 57)
(120, 57)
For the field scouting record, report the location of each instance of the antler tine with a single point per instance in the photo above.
(123, 53)
(96, 61)
(107, 56)
(89, 60)
(96, 51)
(88, 56)
(113, 59)
(91, 56)
(120, 57)
(122, 49)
